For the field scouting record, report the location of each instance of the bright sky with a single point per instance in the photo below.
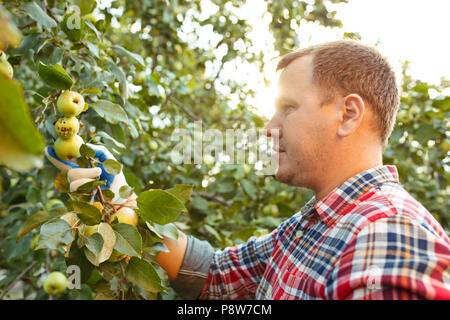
(414, 30)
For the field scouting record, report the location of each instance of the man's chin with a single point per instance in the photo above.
(284, 175)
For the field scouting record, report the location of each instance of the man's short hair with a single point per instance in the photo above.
(347, 66)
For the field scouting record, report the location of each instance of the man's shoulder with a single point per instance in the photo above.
(391, 204)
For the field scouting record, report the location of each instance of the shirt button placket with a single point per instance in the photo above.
(299, 234)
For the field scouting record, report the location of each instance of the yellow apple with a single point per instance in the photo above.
(127, 215)
(70, 103)
(6, 69)
(2, 56)
(67, 127)
(68, 149)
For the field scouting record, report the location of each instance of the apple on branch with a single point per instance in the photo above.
(67, 127)
(70, 103)
(55, 283)
(68, 149)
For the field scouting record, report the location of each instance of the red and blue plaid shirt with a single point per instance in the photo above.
(367, 239)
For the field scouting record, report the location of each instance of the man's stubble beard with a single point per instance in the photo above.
(291, 175)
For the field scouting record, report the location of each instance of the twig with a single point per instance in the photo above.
(47, 9)
(124, 277)
(17, 279)
(214, 198)
(185, 109)
(47, 260)
(28, 25)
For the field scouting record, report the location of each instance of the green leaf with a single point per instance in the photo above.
(87, 213)
(89, 186)
(112, 166)
(182, 191)
(91, 90)
(72, 25)
(121, 77)
(55, 76)
(128, 239)
(125, 191)
(122, 51)
(93, 48)
(249, 188)
(95, 243)
(86, 151)
(111, 112)
(54, 234)
(159, 206)
(37, 14)
(35, 221)
(168, 230)
(94, 29)
(86, 6)
(144, 275)
(133, 180)
(21, 144)
(109, 240)
(78, 258)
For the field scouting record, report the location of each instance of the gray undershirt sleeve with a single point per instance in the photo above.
(194, 269)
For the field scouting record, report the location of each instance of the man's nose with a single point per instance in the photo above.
(272, 129)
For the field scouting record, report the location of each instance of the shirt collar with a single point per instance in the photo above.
(333, 204)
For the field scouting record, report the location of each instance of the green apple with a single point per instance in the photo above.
(67, 127)
(445, 145)
(70, 103)
(6, 69)
(2, 56)
(153, 145)
(271, 209)
(55, 283)
(126, 215)
(68, 149)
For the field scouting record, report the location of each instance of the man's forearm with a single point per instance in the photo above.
(171, 261)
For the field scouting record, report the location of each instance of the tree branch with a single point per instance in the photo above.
(28, 25)
(214, 198)
(185, 109)
(17, 279)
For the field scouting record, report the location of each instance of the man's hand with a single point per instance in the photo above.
(78, 176)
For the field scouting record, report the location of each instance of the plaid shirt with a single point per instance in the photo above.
(367, 239)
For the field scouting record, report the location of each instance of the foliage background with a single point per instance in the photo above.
(149, 57)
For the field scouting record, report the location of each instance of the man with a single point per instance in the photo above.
(362, 236)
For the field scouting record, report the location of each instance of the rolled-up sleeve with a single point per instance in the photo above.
(194, 270)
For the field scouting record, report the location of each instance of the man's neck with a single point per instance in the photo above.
(341, 174)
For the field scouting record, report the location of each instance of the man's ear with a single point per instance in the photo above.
(352, 112)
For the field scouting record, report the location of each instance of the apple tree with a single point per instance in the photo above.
(144, 69)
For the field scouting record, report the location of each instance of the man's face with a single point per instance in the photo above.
(306, 130)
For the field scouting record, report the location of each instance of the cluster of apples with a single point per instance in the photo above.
(67, 146)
